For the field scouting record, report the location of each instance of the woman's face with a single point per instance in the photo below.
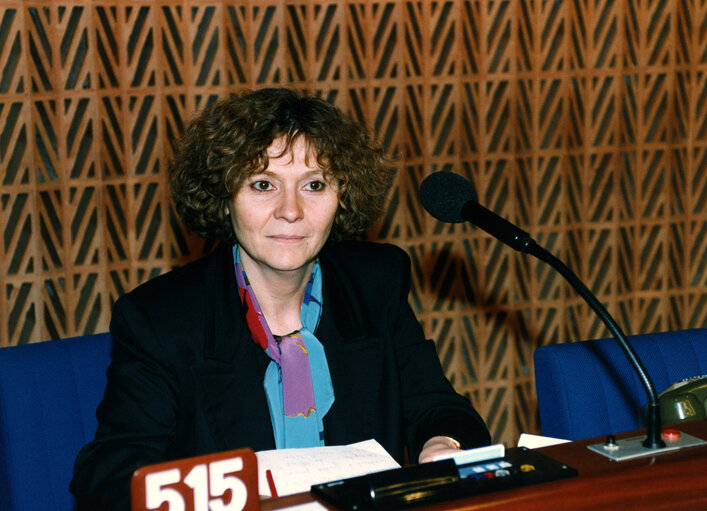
(282, 216)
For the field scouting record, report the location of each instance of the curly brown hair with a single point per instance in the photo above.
(228, 141)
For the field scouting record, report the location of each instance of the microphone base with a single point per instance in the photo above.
(630, 448)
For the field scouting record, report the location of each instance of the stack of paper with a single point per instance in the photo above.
(296, 470)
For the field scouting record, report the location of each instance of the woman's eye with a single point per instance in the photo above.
(315, 186)
(261, 186)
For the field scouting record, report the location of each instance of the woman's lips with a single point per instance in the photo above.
(286, 238)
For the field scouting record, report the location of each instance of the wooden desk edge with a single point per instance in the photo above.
(602, 482)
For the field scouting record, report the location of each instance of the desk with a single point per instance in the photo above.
(669, 481)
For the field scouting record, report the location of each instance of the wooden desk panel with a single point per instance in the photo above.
(668, 481)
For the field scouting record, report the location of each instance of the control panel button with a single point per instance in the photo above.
(671, 435)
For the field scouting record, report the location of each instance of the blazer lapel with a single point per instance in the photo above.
(229, 382)
(355, 362)
(233, 400)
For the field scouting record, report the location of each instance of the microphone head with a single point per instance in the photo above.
(443, 194)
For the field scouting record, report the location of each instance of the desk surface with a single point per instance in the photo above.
(676, 480)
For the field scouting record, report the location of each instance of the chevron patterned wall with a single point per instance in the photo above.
(584, 122)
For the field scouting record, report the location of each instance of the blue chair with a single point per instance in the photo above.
(49, 393)
(589, 389)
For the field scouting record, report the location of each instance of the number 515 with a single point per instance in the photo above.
(219, 482)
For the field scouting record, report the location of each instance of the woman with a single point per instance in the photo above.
(285, 336)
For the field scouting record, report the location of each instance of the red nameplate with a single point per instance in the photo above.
(225, 481)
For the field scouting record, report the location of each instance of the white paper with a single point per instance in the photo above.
(537, 441)
(296, 470)
(475, 455)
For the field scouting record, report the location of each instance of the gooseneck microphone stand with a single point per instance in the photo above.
(654, 438)
(520, 240)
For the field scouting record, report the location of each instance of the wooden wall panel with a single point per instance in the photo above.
(583, 122)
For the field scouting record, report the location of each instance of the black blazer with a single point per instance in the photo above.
(187, 379)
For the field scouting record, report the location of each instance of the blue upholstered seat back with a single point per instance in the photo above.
(49, 392)
(588, 389)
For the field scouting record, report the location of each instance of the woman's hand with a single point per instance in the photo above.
(437, 446)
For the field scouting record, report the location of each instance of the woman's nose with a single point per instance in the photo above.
(289, 207)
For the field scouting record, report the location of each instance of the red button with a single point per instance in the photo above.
(671, 434)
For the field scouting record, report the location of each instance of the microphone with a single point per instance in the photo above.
(450, 198)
